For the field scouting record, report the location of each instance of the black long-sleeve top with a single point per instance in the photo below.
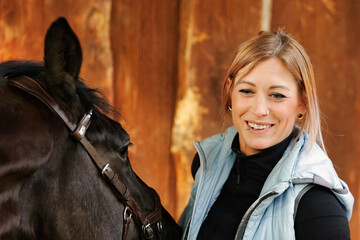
(319, 215)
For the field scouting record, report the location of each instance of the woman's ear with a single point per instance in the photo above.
(303, 104)
(228, 89)
(228, 83)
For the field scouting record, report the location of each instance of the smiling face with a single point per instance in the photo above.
(265, 105)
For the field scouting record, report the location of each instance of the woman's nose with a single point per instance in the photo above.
(260, 108)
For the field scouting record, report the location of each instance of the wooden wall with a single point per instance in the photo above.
(161, 64)
(329, 31)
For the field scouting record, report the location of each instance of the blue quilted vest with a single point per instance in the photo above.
(272, 215)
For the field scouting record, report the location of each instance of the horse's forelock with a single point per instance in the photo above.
(93, 98)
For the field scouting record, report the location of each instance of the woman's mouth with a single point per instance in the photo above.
(258, 126)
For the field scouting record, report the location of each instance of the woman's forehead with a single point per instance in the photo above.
(271, 73)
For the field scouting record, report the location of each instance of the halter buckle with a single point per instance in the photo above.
(148, 231)
(105, 168)
(108, 173)
(83, 125)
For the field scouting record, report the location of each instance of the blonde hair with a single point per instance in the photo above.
(285, 48)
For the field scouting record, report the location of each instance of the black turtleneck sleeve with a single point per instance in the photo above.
(320, 216)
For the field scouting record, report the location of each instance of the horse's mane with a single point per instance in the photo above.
(89, 97)
(16, 68)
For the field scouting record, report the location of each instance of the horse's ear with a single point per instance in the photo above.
(63, 55)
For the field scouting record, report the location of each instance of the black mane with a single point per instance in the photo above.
(89, 97)
(17, 68)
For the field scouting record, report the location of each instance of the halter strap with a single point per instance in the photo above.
(32, 87)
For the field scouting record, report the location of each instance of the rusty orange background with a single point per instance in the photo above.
(161, 64)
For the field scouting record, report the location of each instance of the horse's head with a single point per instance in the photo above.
(59, 190)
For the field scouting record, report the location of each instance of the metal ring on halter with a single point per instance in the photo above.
(127, 214)
(159, 226)
(148, 231)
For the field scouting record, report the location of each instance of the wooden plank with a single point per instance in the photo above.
(21, 35)
(24, 24)
(144, 44)
(210, 31)
(328, 30)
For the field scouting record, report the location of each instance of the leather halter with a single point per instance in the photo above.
(78, 131)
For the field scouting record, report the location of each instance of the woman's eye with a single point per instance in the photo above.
(278, 96)
(245, 91)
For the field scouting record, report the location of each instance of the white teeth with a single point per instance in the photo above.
(258, 126)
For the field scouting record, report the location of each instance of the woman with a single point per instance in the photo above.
(268, 176)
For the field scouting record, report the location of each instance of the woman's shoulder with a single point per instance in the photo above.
(320, 215)
(212, 146)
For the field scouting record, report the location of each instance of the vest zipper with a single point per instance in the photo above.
(244, 221)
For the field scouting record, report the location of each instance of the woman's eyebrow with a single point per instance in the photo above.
(246, 82)
(279, 86)
(271, 87)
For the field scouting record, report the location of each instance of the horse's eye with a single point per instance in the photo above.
(124, 150)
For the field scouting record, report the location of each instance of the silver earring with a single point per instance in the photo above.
(230, 108)
(300, 116)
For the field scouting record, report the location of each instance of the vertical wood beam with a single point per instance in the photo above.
(144, 45)
(328, 31)
(209, 33)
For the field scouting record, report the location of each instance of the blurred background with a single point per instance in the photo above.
(161, 64)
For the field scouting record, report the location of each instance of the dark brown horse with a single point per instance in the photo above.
(51, 186)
